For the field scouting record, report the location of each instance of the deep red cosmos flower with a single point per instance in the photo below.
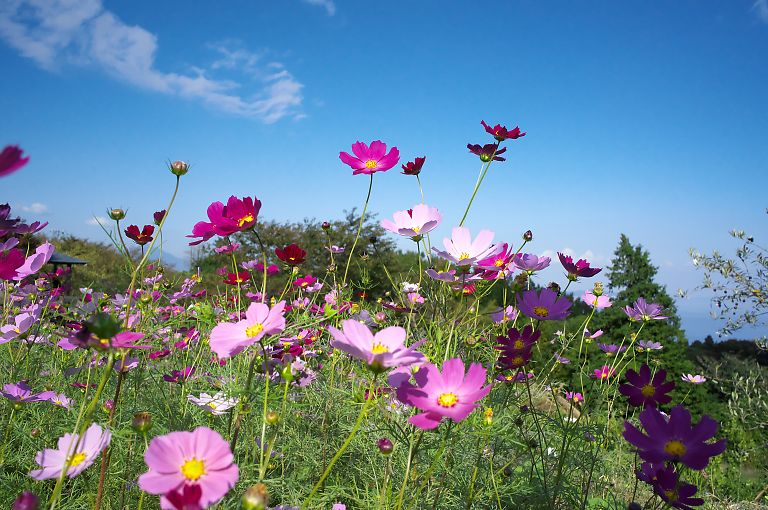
(158, 217)
(291, 254)
(414, 167)
(11, 160)
(487, 152)
(501, 133)
(643, 390)
(579, 269)
(238, 215)
(140, 238)
(239, 277)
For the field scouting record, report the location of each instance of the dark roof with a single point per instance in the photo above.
(60, 258)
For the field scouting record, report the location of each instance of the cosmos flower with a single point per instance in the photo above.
(413, 222)
(368, 160)
(509, 313)
(158, 216)
(574, 396)
(678, 494)
(517, 341)
(237, 278)
(694, 379)
(59, 400)
(11, 160)
(237, 216)
(499, 264)
(11, 259)
(641, 310)
(579, 269)
(140, 237)
(179, 459)
(21, 392)
(186, 497)
(462, 251)
(449, 393)
(81, 453)
(603, 372)
(611, 349)
(643, 390)
(501, 133)
(22, 322)
(674, 439)
(414, 167)
(228, 339)
(217, 404)
(530, 263)
(291, 254)
(335, 249)
(227, 248)
(305, 282)
(180, 376)
(487, 152)
(647, 345)
(385, 349)
(545, 305)
(597, 302)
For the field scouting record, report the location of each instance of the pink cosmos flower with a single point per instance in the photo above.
(498, 265)
(462, 251)
(22, 392)
(509, 313)
(603, 372)
(530, 263)
(368, 160)
(448, 394)
(80, 452)
(385, 349)
(11, 160)
(238, 215)
(597, 302)
(36, 261)
(22, 323)
(180, 459)
(694, 379)
(574, 396)
(414, 222)
(228, 339)
(578, 269)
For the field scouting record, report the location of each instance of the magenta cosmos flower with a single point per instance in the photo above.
(462, 251)
(545, 306)
(385, 349)
(487, 152)
(81, 453)
(604, 372)
(11, 160)
(230, 338)
(674, 439)
(578, 269)
(369, 160)
(644, 390)
(238, 215)
(201, 457)
(413, 222)
(501, 133)
(450, 394)
(641, 310)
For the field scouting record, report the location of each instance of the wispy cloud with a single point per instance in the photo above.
(54, 33)
(35, 208)
(96, 221)
(760, 7)
(328, 5)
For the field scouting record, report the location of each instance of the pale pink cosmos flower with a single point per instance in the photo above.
(179, 459)
(385, 349)
(462, 251)
(228, 338)
(413, 222)
(36, 261)
(81, 453)
(509, 313)
(597, 302)
(694, 379)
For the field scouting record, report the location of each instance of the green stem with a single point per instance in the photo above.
(359, 229)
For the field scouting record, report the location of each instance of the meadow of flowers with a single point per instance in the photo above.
(308, 396)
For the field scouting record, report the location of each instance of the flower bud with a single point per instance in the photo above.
(26, 501)
(179, 168)
(326, 226)
(108, 406)
(634, 506)
(287, 373)
(255, 498)
(385, 446)
(598, 289)
(116, 214)
(488, 416)
(272, 418)
(146, 298)
(142, 422)
(528, 236)
(554, 287)
(35, 432)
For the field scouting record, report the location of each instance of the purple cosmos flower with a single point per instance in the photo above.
(545, 306)
(385, 349)
(694, 379)
(644, 311)
(562, 359)
(643, 390)
(180, 376)
(335, 249)
(414, 222)
(579, 269)
(666, 483)
(501, 133)
(36, 261)
(518, 377)
(647, 345)
(228, 339)
(227, 248)
(612, 349)
(22, 392)
(517, 341)
(603, 372)
(509, 313)
(59, 399)
(462, 251)
(158, 216)
(179, 459)
(26, 501)
(368, 160)
(530, 263)
(674, 439)
(597, 302)
(588, 337)
(11, 160)
(22, 323)
(81, 453)
(487, 152)
(448, 394)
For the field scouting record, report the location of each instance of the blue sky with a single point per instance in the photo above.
(647, 118)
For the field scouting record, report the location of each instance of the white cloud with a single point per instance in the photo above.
(761, 9)
(96, 221)
(81, 32)
(35, 208)
(328, 5)
(595, 260)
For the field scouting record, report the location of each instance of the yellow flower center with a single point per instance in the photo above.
(675, 448)
(509, 377)
(518, 361)
(519, 344)
(541, 311)
(379, 349)
(245, 219)
(498, 263)
(104, 341)
(77, 459)
(671, 495)
(193, 469)
(252, 331)
(416, 230)
(463, 256)
(447, 399)
(371, 163)
(648, 390)
(211, 405)
(603, 375)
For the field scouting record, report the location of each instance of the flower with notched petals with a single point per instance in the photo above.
(414, 167)
(501, 133)
(140, 237)
(369, 160)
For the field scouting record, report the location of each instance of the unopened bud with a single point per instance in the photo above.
(272, 418)
(26, 501)
(179, 168)
(116, 214)
(554, 287)
(142, 422)
(145, 298)
(488, 416)
(634, 506)
(598, 289)
(255, 498)
(35, 432)
(528, 236)
(385, 446)
(326, 225)
(287, 373)
(108, 406)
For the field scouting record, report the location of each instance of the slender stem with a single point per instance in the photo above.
(359, 229)
(411, 453)
(478, 183)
